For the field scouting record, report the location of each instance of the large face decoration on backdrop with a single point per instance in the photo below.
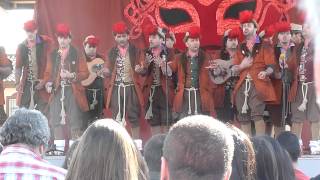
(214, 16)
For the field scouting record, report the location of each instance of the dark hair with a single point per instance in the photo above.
(1, 147)
(198, 147)
(243, 163)
(273, 162)
(69, 154)
(153, 152)
(224, 53)
(290, 142)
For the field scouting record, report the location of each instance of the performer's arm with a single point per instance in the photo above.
(270, 63)
(6, 65)
(83, 71)
(18, 71)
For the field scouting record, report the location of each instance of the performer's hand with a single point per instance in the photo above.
(138, 68)
(40, 85)
(277, 75)
(49, 87)
(212, 65)
(18, 87)
(262, 75)
(246, 62)
(106, 72)
(63, 74)
(149, 58)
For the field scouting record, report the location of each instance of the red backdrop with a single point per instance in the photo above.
(96, 17)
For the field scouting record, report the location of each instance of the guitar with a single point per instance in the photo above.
(224, 71)
(94, 66)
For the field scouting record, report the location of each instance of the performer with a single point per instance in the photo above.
(31, 61)
(285, 77)
(194, 91)
(296, 30)
(5, 71)
(95, 83)
(154, 89)
(224, 77)
(255, 61)
(304, 106)
(64, 73)
(124, 95)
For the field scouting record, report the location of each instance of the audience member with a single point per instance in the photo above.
(152, 155)
(243, 163)
(106, 151)
(25, 135)
(69, 154)
(197, 148)
(1, 147)
(272, 161)
(290, 142)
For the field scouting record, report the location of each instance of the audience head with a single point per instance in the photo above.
(290, 142)
(28, 127)
(153, 153)
(272, 161)
(1, 147)
(106, 151)
(69, 154)
(197, 147)
(243, 163)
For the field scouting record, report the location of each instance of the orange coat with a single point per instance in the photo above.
(110, 63)
(43, 45)
(179, 65)
(75, 64)
(263, 56)
(148, 79)
(4, 62)
(293, 69)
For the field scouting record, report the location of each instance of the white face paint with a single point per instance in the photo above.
(193, 44)
(91, 51)
(122, 39)
(64, 42)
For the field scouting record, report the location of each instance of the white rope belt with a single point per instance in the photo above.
(149, 113)
(31, 104)
(95, 101)
(245, 106)
(122, 119)
(63, 111)
(304, 90)
(194, 90)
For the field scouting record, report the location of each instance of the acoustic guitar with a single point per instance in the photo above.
(224, 71)
(93, 66)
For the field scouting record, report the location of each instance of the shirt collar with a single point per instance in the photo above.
(21, 149)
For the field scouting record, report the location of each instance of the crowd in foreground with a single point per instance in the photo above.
(195, 148)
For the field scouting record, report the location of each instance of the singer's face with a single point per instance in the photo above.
(232, 43)
(122, 39)
(91, 51)
(155, 40)
(64, 42)
(169, 43)
(248, 29)
(193, 44)
(284, 37)
(297, 37)
(31, 35)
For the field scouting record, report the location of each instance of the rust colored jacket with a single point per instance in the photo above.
(75, 65)
(263, 57)
(148, 78)
(43, 44)
(293, 71)
(4, 62)
(110, 63)
(179, 65)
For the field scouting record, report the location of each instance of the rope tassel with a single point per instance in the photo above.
(149, 113)
(303, 105)
(245, 106)
(63, 112)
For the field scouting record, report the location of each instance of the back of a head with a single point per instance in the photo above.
(29, 127)
(106, 151)
(153, 152)
(273, 162)
(198, 147)
(290, 142)
(244, 162)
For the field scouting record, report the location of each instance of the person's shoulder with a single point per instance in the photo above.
(300, 175)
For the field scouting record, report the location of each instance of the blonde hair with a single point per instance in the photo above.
(106, 151)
